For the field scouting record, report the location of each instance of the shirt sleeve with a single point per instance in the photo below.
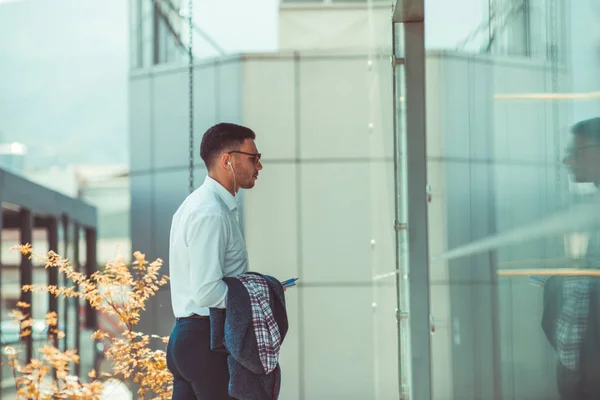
(207, 237)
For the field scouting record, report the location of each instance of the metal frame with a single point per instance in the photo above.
(77, 267)
(91, 317)
(26, 206)
(53, 276)
(26, 275)
(43, 201)
(65, 282)
(328, 4)
(1, 244)
(410, 13)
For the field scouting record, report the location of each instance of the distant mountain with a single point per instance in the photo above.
(63, 80)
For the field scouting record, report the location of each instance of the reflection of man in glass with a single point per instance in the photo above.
(571, 318)
(583, 156)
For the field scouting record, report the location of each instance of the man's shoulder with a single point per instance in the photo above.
(202, 203)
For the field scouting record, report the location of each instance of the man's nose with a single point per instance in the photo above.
(259, 165)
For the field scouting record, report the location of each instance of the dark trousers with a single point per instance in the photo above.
(577, 385)
(199, 373)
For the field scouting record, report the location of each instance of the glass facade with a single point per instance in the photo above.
(44, 232)
(503, 214)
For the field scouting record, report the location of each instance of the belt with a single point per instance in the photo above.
(193, 316)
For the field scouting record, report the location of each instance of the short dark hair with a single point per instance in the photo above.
(223, 137)
(588, 129)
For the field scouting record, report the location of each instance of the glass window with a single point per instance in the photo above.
(512, 167)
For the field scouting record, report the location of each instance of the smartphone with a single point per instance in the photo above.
(538, 281)
(289, 282)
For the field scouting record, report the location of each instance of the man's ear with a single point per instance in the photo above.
(225, 161)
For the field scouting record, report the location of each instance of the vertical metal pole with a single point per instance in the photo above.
(91, 317)
(77, 266)
(66, 282)
(52, 229)
(416, 155)
(91, 321)
(139, 18)
(299, 225)
(1, 268)
(527, 26)
(396, 116)
(26, 278)
(155, 34)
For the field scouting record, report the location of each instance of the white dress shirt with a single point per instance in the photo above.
(206, 244)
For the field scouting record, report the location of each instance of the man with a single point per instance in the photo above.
(583, 156)
(571, 318)
(206, 245)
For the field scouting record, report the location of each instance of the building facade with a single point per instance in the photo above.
(48, 221)
(375, 172)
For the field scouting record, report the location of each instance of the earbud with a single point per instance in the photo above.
(233, 174)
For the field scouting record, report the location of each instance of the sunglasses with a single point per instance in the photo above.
(255, 156)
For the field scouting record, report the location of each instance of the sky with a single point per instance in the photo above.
(64, 67)
(63, 80)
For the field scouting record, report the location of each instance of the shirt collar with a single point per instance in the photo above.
(223, 193)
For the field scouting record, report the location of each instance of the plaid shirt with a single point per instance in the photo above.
(265, 327)
(573, 320)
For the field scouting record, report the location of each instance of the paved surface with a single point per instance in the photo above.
(116, 391)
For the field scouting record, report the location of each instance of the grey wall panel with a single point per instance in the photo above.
(290, 350)
(272, 248)
(480, 116)
(483, 272)
(341, 250)
(158, 318)
(519, 130)
(229, 99)
(385, 339)
(336, 334)
(517, 191)
(455, 134)
(381, 107)
(527, 361)
(170, 120)
(584, 58)
(163, 313)
(271, 117)
(328, 90)
(206, 106)
(140, 124)
(141, 214)
(461, 291)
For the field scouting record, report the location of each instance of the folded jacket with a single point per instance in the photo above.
(251, 331)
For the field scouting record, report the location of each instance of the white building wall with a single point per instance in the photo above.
(334, 27)
(322, 211)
